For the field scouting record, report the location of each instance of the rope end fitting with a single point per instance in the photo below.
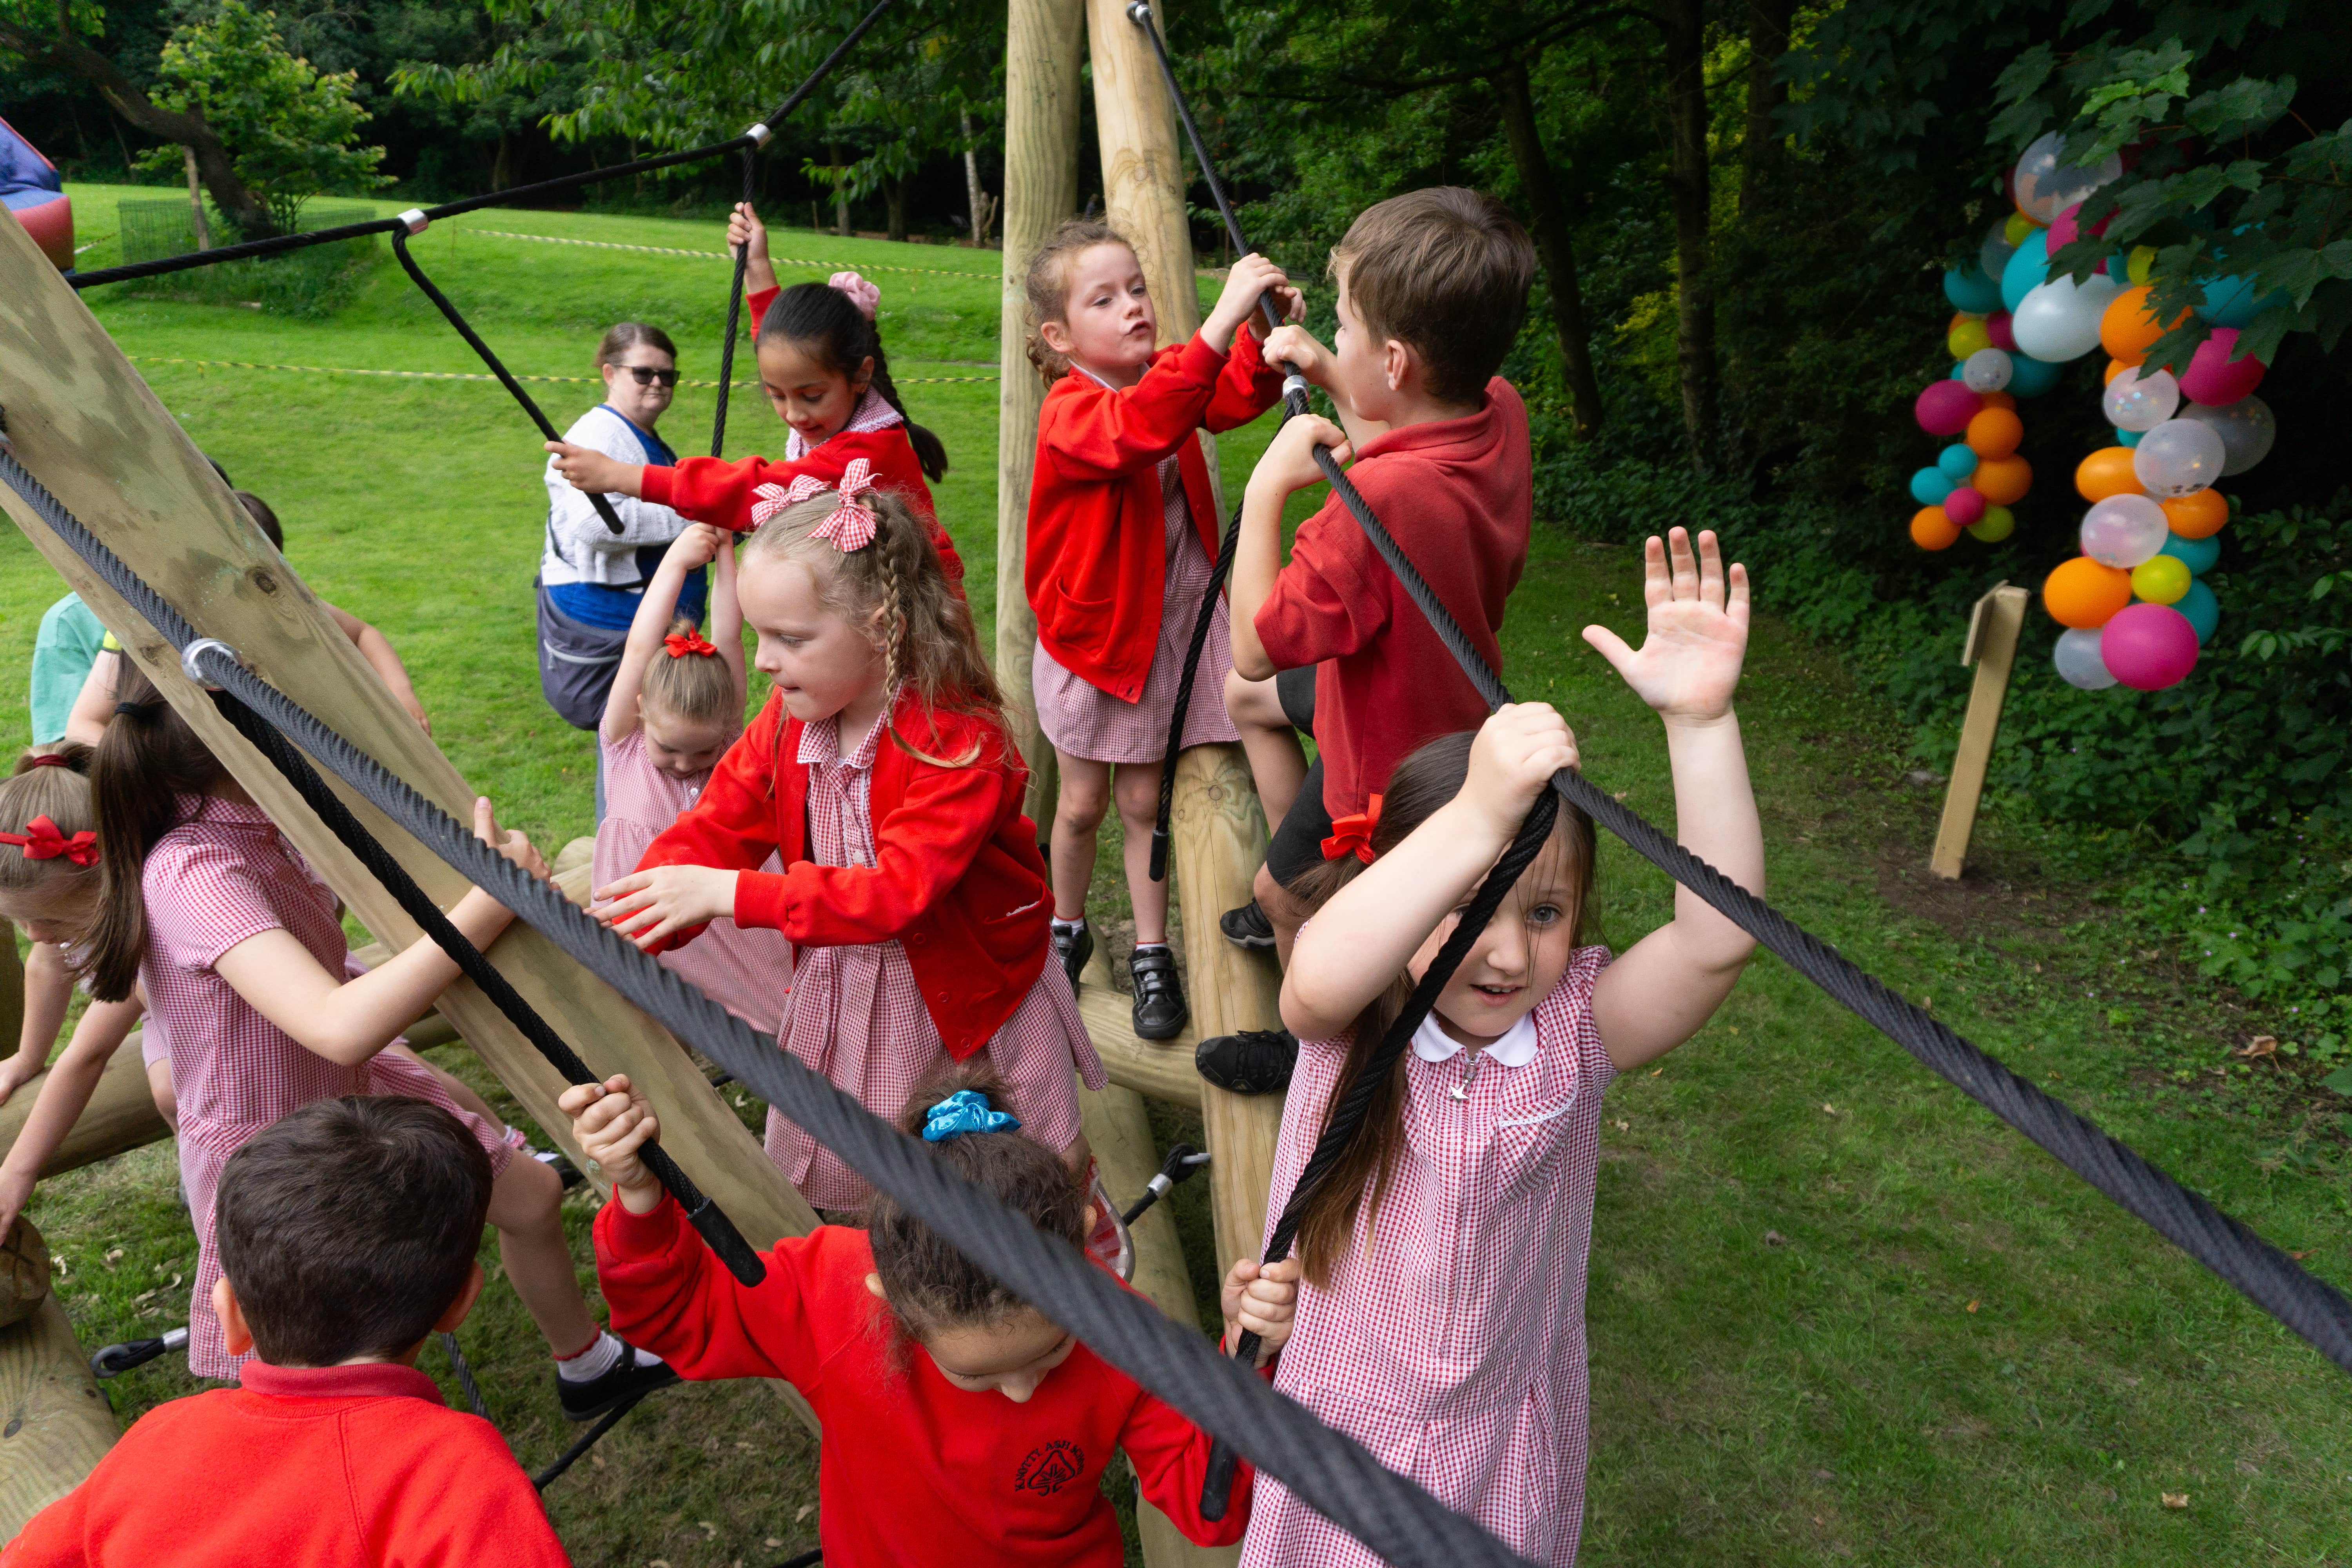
(758, 132)
(1294, 385)
(190, 654)
(1139, 13)
(413, 220)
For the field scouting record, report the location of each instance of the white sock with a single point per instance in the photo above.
(601, 1358)
(1151, 947)
(1067, 928)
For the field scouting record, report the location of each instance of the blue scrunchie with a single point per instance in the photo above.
(965, 1110)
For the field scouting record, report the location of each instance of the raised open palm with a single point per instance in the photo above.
(1688, 664)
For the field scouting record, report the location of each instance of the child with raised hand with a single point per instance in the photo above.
(677, 705)
(347, 1233)
(1445, 1256)
(824, 373)
(960, 1424)
(912, 892)
(239, 949)
(1122, 538)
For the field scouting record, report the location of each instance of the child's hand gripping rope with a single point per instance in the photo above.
(612, 1122)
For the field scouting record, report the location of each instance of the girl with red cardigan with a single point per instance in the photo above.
(1122, 532)
(824, 370)
(881, 774)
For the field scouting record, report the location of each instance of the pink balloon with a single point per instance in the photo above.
(1996, 329)
(2063, 229)
(2148, 647)
(2213, 378)
(1965, 506)
(1945, 408)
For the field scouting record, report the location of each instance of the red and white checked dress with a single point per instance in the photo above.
(748, 973)
(856, 1015)
(224, 875)
(1082, 720)
(1449, 1340)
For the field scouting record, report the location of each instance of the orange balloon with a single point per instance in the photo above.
(2000, 399)
(2128, 327)
(2080, 593)
(1995, 432)
(2002, 482)
(2107, 472)
(2115, 367)
(2197, 515)
(1931, 530)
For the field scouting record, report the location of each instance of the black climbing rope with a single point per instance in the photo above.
(735, 309)
(587, 1440)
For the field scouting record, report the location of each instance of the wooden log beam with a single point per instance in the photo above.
(1157, 1070)
(121, 1115)
(54, 1423)
(11, 991)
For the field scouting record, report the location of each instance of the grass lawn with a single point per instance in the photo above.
(1836, 1311)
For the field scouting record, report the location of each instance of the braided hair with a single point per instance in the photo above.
(826, 324)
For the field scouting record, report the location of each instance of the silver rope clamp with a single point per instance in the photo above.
(413, 220)
(194, 671)
(1296, 383)
(1139, 13)
(758, 133)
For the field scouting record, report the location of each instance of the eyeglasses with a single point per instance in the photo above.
(647, 375)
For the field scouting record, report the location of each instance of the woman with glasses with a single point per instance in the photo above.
(591, 578)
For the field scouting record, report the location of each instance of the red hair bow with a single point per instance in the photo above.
(680, 644)
(1353, 834)
(852, 523)
(42, 841)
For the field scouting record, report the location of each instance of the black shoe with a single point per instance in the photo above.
(1247, 927)
(1160, 1012)
(1074, 948)
(1256, 1061)
(587, 1399)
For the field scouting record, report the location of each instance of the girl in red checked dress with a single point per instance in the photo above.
(822, 366)
(1122, 534)
(677, 706)
(960, 1427)
(1442, 1322)
(912, 891)
(239, 948)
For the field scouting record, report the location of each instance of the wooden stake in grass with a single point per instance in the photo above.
(1992, 647)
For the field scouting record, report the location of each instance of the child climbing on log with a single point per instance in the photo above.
(1432, 288)
(347, 1233)
(824, 373)
(960, 1426)
(1444, 1255)
(677, 705)
(1122, 532)
(912, 891)
(239, 949)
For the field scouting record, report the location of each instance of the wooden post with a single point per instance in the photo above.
(1992, 647)
(54, 1423)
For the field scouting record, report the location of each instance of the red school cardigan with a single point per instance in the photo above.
(959, 882)
(1098, 554)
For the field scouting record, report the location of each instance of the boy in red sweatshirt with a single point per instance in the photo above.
(1433, 286)
(347, 1234)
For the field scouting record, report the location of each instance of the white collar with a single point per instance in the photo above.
(1515, 1049)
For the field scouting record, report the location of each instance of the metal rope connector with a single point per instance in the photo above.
(197, 649)
(413, 220)
(1295, 383)
(1139, 13)
(758, 132)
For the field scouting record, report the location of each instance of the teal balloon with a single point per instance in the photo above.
(2031, 377)
(1930, 485)
(1958, 462)
(2200, 553)
(1959, 371)
(2233, 302)
(2127, 437)
(2027, 271)
(1969, 290)
(2203, 610)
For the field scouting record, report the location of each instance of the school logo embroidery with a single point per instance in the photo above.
(1049, 1468)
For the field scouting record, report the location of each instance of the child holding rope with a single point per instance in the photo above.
(1122, 534)
(1442, 1321)
(677, 706)
(904, 1347)
(824, 373)
(912, 891)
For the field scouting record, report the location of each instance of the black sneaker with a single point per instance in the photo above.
(586, 1399)
(1074, 948)
(1247, 927)
(1255, 1061)
(1160, 1012)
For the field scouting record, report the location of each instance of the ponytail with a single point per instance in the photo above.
(149, 760)
(47, 873)
(831, 326)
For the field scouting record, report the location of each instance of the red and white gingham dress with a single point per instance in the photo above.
(1449, 1340)
(856, 1015)
(748, 973)
(1082, 720)
(219, 878)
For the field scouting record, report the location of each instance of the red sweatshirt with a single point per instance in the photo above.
(1098, 559)
(911, 1469)
(1458, 494)
(957, 881)
(317, 1466)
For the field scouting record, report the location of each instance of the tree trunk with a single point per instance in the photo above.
(1549, 224)
(840, 192)
(973, 195)
(894, 200)
(1768, 40)
(503, 162)
(196, 201)
(1687, 184)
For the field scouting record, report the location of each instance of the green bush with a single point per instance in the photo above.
(313, 282)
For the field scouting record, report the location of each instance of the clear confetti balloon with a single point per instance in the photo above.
(2247, 429)
(2178, 457)
(2124, 530)
(2045, 189)
(2140, 402)
(1987, 370)
(2078, 661)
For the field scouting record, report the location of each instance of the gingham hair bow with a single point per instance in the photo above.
(42, 841)
(852, 524)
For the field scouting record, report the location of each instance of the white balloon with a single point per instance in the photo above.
(2247, 429)
(2078, 661)
(2059, 321)
(1994, 255)
(2178, 457)
(1987, 370)
(2137, 401)
(2124, 530)
(2045, 189)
